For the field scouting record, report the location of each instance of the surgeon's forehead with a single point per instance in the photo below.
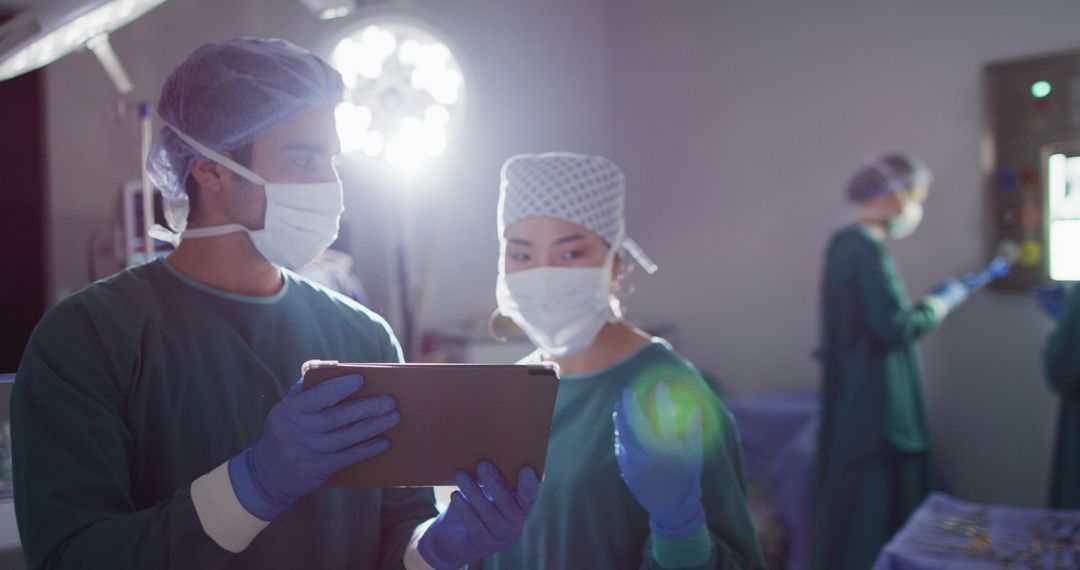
(545, 230)
(314, 130)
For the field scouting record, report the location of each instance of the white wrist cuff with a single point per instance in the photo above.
(413, 560)
(222, 516)
(937, 305)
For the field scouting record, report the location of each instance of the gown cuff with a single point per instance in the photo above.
(937, 305)
(220, 513)
(413, 559)
(688, 552)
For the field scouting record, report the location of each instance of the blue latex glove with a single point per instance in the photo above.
(997, 268)
(1052, 299)
(307, 437)
(951, 293)
(481, 519)
(662, 470)
(971, 280)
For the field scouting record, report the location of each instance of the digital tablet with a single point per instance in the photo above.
(452, 417)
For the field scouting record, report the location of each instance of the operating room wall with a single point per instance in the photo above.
(738, 124)
(537, 80)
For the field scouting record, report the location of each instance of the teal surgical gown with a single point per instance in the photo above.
(873, 466)
(1062, 361)
(136, 385)
(586, 517)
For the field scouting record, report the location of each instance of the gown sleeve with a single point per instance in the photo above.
(1062, 354)
(729, 535)
(71, 454)
(890, 316)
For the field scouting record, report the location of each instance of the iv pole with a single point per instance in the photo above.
(102, 50)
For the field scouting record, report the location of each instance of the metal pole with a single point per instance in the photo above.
(101, 48)
(147, 190)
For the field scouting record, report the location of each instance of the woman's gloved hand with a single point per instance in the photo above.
(481, 520)
(662, 469)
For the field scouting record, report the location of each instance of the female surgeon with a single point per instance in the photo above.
(873, 465)
(644, 466)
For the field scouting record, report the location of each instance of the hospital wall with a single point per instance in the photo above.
(739, 123)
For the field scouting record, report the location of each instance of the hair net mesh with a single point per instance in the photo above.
(589, 191)
(890, 173)
(226, 94)
(586, 190)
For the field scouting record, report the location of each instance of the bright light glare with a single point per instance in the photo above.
(363, 58)
(406, 93)
(409, 52)
(1040, 89)
(414, 142)
(1064, 243)
(373, 143)
(334, 13)
(352, 121)
(380, 42)
(447, 88)
(437, 115)
(74, 34)
(1063, 216)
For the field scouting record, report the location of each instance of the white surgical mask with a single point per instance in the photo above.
(911, 213)
(301, 220)
(561, 309)
(905, 223)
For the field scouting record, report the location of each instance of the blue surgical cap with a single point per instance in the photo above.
(890, 173)
(226, 94)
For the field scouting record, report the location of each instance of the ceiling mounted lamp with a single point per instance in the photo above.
(49, 30)
(406, 91)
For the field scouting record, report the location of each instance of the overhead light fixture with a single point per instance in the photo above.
(52, 29)
(330, 9)
(406, 91)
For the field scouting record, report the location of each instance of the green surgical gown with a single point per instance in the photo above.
(136, 385)
(873, 465)
(586, 517)
(1062, 361)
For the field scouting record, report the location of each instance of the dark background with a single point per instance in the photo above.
(22, 212)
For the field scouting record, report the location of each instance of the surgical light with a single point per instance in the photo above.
(52, 29)
(1063, 216)
(406, 91)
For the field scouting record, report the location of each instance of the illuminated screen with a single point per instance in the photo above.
(1063, 217)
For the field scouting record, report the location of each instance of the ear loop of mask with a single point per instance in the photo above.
(219, 158)
(496, 313)
(225, 161)
(635, 251)
(614, 306)
(494, 316)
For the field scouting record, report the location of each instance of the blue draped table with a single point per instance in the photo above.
(949, 534)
